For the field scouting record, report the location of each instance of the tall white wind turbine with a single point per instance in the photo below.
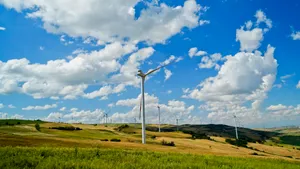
(236, 130)
(143, 77)
(158, 118)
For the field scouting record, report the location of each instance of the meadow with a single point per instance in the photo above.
(24, 157)
(95, 146)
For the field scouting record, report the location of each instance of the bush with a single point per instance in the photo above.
(18, 122)
(239, 142)
(153, 137)
(165, 143)
(200, 136)
(104, 139)
(70, 128)
(123, 126)
(6, 123)
(37, 127)
(255, 154)
(115, 140)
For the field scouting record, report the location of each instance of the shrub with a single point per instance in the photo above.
(200, 136)
(239, 142)
(255, 154)
(104, 139)
(115, 140)
(6, 123)
(153, 137)
(70, 128)
(123, 126)
(37, 127)
(165, 143)
(18, 122)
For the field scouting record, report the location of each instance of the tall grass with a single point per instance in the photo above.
(24, 157)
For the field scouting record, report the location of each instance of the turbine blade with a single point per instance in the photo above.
(154, 70)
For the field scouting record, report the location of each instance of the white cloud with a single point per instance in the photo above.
(3, 115)
(169, 91)
(105, 91)
(298, 85)
(63, 109)
(283, 112)
(46, 107)
(79, 51)
(169, 112)
(194, 52)
(17, 116)
(168, 74)
(250, 39)
(243, 78)
(93, 18)
(204, 22)
(276, 107)
(171, 59)
(11, 106)
(296, 35)
(1, 105)
(85, 116)
(262, 18)
(42, 48)
(211, 61)
(54, 116)
(111, 105)
(65, 79)
(2, 28)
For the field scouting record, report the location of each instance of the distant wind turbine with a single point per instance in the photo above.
(158, 118)
(143, 77)
(236, 130)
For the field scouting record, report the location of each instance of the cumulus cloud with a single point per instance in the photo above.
(17, 116)
(85, 116)
(296, 35)
(211, 61)
(92, 18)
(276, 107)
(2, 28)
(168, 74)
(46, 107)
(250, 39)
(298, 85)
(63, 109)
(54, 116)
(66, 79)
(245, 77)
(169, 112)
(1, 105)
(194, 52)
(11, 106)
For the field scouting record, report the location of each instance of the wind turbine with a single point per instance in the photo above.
(143, 77)
(177, 123)
(158, 118)
(236, 130)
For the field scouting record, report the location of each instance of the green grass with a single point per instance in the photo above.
(15, 121)
(24, 157)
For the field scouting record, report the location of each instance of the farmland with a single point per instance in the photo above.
(97, 146)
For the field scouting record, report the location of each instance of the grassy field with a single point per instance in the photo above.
(107, 158)
(21, 146)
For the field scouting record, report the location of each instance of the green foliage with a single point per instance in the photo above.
(123, 126)
(69, 158)
(18, 123)
(70, 128)
(165, 143)
(239, 142)
(291, 140)
(37, 127)
(115, 140)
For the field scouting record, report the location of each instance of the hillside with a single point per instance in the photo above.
(220, 130)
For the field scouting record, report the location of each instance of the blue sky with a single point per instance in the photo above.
(76, 60)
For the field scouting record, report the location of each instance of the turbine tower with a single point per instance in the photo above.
(143, 77)
(158, 118)
(236, 130)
